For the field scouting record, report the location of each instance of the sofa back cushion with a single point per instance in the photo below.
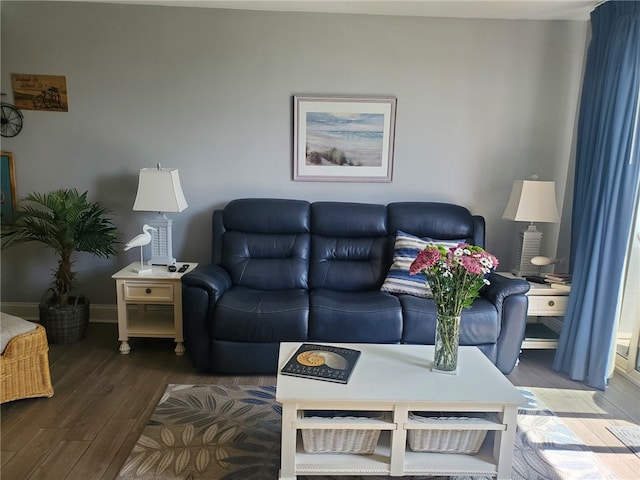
(438, 221)
(350, 248)
(266, 244)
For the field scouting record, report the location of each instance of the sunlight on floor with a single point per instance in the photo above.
(569, 401)
(589, 414)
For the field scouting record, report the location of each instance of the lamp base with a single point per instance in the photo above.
(527, 247)
(161, 241)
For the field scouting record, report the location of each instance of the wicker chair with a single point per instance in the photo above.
(24, 367)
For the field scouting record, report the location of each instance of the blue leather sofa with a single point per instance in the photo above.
(290, 270)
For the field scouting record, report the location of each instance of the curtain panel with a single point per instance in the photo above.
(605, 191)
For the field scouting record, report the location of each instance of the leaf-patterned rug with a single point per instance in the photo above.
(231, 432)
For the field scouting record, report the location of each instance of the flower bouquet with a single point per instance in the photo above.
(455, 276)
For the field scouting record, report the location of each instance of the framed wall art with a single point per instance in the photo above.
(8, 200)
(343, 139)
(40, 92)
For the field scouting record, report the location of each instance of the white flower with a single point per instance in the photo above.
(485, 262)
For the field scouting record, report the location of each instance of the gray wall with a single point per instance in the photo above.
(480, 103)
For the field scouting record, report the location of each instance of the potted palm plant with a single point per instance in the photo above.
(65, 221)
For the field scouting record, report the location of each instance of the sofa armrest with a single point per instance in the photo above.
(201, 290)
(508, 295)
(212, 278)
(500, 288)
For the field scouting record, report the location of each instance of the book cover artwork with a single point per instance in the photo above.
(322, 362)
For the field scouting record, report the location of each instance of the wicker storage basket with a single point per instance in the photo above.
(319, 440)
(362, 442)
(24, 367)
(445, 441)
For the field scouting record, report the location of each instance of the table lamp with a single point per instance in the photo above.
(530, 201)
(159, 190)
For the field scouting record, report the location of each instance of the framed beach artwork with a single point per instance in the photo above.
(343, 139)
(8, 200)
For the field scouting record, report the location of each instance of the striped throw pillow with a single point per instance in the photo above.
(405, 250)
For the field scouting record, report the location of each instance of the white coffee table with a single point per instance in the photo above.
(398, 379)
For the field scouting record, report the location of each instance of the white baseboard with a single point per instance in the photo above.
(29, 311)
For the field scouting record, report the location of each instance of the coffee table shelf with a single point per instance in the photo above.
(335, 463)
(378, 463)
(394, 380)
(426, 463)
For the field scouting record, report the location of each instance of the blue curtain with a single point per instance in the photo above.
(605, 191)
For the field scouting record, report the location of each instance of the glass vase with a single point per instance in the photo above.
(446, 346)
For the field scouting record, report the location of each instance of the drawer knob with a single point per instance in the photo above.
(149, 291)
(551, 303)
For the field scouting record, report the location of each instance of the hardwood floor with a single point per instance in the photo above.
(103, 399)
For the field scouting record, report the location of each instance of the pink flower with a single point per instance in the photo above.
(472, 265)
(425, 259)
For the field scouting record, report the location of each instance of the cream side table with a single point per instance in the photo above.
(547, 306)
(138, 295)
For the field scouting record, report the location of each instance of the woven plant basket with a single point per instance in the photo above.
(65, 324)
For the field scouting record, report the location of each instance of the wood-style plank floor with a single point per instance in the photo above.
(103, 399)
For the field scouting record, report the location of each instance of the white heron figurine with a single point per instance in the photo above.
(140, 241)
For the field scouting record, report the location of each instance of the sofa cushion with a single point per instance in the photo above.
(267, 261)
(367, 317)
(348, 220)
(266, 215)
(398, 280)
(479, 324)
(12, 326)
(436, 220)
(264, 243)
(347, 264)
(350, 248)
(249, 315)
(405, 250)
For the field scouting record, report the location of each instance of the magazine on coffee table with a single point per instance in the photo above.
(322, 362)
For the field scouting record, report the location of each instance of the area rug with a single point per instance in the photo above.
(629, 435)
(216, 432)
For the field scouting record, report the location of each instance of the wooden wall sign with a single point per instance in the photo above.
(40, 92)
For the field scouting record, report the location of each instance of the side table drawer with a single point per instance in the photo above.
(148, 292)
(543, 305)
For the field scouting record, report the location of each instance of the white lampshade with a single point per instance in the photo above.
(532, 201)
(159, 190)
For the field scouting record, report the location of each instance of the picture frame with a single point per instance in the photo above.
(343, 138)
(8, 196)
(40, 92)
